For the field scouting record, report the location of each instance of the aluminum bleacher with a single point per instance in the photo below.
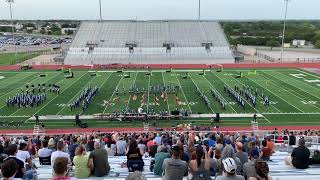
(278, 170)
(170, 41)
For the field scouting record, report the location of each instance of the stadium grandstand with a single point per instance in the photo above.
(147, 42)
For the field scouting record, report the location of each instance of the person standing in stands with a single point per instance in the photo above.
(98, 159)
(174, 168)
(299, 157)
(229, 170)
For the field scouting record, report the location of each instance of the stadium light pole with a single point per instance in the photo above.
(199, 10)
(100, 10)
(12, 28)
(284, 29)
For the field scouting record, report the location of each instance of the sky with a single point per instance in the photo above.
(160, 9)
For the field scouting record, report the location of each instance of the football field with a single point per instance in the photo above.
(293, 96)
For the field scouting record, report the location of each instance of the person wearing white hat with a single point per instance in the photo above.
(229, 170)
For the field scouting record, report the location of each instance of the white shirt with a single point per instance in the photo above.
(23, 155)
(57, 154)
(44, 152)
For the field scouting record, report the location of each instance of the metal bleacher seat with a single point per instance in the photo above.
(111, 38)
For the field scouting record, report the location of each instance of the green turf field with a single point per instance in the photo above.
(10, 58)
(294, 95)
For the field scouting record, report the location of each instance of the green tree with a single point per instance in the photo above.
(43, 31)
(272, 44)
(317, 45)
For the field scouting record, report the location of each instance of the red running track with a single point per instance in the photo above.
(109, 130)
(166, 66)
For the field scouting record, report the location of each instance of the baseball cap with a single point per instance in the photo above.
(229, 165)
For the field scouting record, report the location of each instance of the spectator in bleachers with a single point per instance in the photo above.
(174, 167)
(72, 148)
(229, 170)
(248, 168)
(82, 168)
(200, 164)
(13, 149)
(90, 144)
(262, 170)
(299, 157)
(60, 168)
(24, 155)
(142, 146)
(243, 156)
(121, 146)
(59, 153)
(159, 158)
(44, 151)
(98, 159)
(270, 144)
(164, 144)
(265, 151)
(51, 144)
(9, 169)
(137, 175)
(111, 149)
(292, 139)
(228, 152)
(134, 157)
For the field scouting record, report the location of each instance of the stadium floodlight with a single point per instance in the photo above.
(12, 28)
(100, 10)
(284, 29)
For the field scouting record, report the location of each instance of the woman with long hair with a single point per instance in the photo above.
(134, 157)
(262, 170)
(200, 164)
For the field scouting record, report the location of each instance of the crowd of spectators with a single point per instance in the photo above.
(173, 155)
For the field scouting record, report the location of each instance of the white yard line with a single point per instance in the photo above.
(114, 91)
(165, 85)
(313, 75)
(134, 82)
(60, 93)
(296, 80)
(219, 94)
(202, 92)
(295, 87)
(292, 93)
(183, 93)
